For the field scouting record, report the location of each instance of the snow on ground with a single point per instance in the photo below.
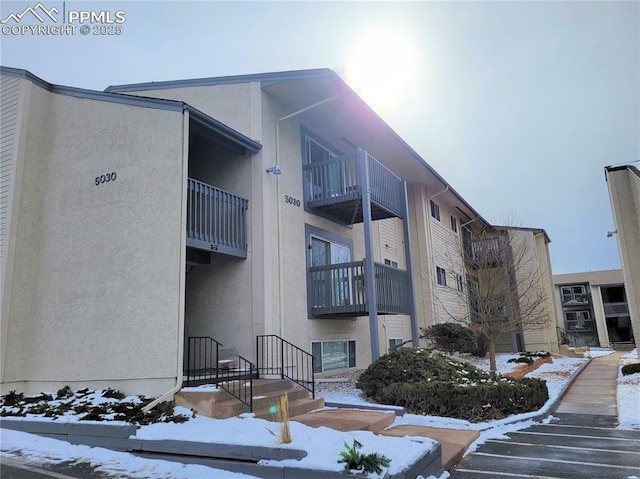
(323, 445)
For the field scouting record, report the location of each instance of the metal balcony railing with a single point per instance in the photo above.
(333, 186)
(486, 251)
(569, 299)
(616, 309)
(339, 290)
(216, 220)
(580, 325)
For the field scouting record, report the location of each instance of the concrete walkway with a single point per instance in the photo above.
(593, 394)
(594, 391)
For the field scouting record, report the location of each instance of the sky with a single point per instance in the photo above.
(518, 105)
(322, 445)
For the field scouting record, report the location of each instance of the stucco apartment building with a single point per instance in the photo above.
(141, 218)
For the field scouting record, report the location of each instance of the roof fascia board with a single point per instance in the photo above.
(145, 102)
(265, 79)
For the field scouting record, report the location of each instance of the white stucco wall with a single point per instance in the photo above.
(96, 276)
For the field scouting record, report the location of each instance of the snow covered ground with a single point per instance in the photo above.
(322, 445)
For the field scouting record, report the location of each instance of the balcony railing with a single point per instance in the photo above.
(486, 251)
(333, 186)
(339, 290)
(580, 325)
(216, 220)
(616, 309)
(573, 299)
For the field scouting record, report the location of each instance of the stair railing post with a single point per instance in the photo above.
(281, 358)
(217, 361)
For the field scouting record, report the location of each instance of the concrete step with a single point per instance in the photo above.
(297, 407)
(348, 419)
(220, 404)
(454, 442)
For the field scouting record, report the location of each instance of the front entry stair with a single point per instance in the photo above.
(219, 404)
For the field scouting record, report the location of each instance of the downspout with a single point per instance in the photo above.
(278, 209)
(182, 279)
(430, 240)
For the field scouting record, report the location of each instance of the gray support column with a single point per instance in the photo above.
(369, 272)
(415, 333)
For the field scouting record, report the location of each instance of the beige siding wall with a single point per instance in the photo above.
(96, 278)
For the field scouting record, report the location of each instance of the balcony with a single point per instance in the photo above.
(580, 325)
(575, 299)
(486, 252)
(614, 310)
(338, 290)
(216, 220)
(334, 188)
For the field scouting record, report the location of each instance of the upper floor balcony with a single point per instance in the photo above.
(574, 299)
(338, 290)
(335, 187)
(486, 252)
(614, 310)
(216, 220)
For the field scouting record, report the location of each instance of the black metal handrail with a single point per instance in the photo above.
(204, 365)
(277, 356)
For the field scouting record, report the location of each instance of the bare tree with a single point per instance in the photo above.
(503, 293)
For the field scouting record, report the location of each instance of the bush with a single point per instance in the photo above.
(630, 369)
(451, 337)
(354, 460)
(483, 342)
(431, 383)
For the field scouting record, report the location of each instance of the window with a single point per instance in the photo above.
(441, 274)
(331, 355)
(454, 224)
(435, 210)
(578, 321)
(459, 282)
(321, 180)
(395, 343)
(390, 262)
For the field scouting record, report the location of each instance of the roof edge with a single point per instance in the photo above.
(141, 101)
(265, 78)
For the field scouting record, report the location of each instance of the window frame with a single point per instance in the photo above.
(459, 282)
(454, 224)
(441, 276)
(435, 209)
(351, 360)
(391, 262)
(396, 345)
(586, 319)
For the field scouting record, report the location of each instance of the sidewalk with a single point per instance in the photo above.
(592, 393)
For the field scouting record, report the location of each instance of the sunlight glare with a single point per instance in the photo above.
(380, 68)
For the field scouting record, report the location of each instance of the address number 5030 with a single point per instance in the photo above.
(106, 178)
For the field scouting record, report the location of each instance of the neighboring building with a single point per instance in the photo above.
(593, 309)
(139, 220)
(623, 183)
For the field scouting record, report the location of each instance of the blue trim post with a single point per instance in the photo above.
(369, 273)
(415, 336)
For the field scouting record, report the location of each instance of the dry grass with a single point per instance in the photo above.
(281, 415)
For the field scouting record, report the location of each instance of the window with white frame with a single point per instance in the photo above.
(574, 294)
(441, 275)
(435, 210)
(454, 224)
(395, 343)
(390, 262)
(459, 282)
(332, 355)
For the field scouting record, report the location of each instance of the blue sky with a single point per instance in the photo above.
(519, 105)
